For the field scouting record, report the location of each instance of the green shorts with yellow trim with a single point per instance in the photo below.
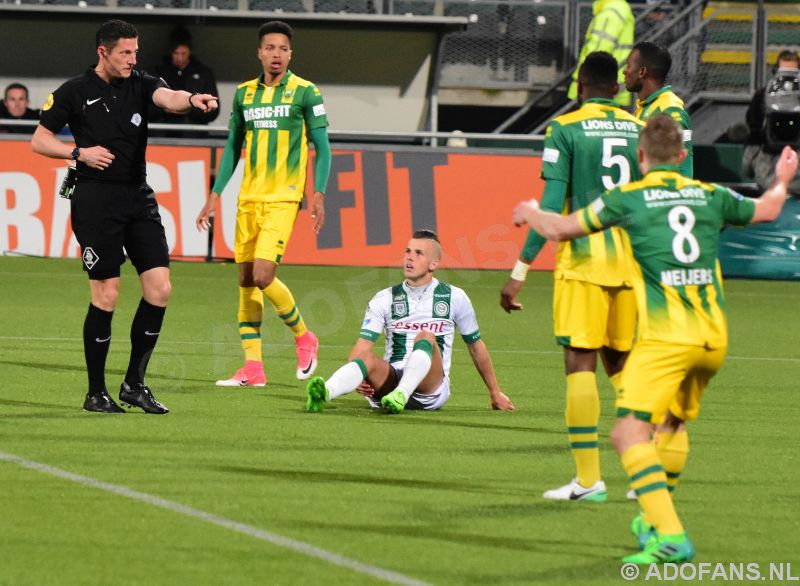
(659, 376)
(263, 230)
(591, 316)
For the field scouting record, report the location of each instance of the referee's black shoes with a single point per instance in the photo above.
(101, 403)
(140, 396)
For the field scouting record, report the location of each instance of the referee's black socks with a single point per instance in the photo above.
(96, 340)
(145, 329)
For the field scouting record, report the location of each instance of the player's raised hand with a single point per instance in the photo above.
(204, 217)
(523, 209)
(786, 167)
(318, 211)
(500, 402)
(508, 295)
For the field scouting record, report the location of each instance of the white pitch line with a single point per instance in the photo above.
(273, 538)
(282, 345)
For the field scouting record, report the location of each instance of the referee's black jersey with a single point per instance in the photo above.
(111, 115)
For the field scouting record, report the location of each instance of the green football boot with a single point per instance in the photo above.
(317, 394)
(394, 402)
(642, 531)
(664, 548)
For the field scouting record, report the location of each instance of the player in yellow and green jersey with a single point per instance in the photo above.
(594, 310)
(273, 116)
(646, 72)
(672, 225)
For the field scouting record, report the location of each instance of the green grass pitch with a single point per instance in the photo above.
(452, 497)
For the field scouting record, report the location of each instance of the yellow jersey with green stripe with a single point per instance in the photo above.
(673, 225)
(665, 101)
(591, 150)
(274, 125)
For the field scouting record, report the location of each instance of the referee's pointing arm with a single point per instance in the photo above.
(181, 102)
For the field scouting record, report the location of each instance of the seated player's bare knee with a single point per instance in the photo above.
(366, 356)
(425, 336)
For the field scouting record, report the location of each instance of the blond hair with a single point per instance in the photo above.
(661, 140)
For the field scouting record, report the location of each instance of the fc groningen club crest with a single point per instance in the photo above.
(400, 309)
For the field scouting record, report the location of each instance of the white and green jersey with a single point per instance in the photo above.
(401, 312)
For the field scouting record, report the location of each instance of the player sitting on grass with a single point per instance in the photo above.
(419, 317)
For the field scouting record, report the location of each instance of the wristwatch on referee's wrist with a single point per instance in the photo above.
(76, 154)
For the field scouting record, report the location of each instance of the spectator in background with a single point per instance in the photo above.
(611, 30)
(182, 71)
(15, 106)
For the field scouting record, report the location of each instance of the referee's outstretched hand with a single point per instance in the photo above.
(96, 157)
(204, 102)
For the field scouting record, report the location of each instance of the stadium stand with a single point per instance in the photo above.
(345, 6)
(277, 5)
(413, 7)
(727, 59)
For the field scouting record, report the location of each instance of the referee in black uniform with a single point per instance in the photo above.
(112, 206)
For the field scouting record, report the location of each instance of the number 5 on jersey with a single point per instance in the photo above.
(611, 160)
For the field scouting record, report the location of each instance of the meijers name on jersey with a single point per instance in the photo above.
(258, 115)
(678, 277)
(435, 327)
(685, 193)
(609, 125)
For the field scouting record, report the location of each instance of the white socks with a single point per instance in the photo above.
(418, 365)
(345, 380)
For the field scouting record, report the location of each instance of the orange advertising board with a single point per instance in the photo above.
(376, 198)
(35, 220)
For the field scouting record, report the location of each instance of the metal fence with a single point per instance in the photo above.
(507, 44)
(729, 49)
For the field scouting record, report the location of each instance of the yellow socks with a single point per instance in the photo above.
(582, 415)
(673, 451)
(251, 309)
(648, 479)
(283, 303)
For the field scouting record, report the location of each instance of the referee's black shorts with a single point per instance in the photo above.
(109, 216)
